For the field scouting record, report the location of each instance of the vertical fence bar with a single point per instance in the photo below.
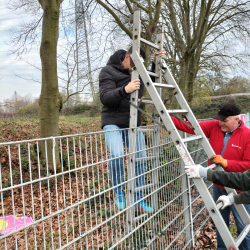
(247, 119)
(64, 205)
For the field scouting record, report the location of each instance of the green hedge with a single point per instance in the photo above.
(86, 109)
(29, 110)
(210, 109)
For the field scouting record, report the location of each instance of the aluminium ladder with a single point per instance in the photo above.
(165, 115)
(131, 219)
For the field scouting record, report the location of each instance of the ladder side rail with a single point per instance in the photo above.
(177, 140)
(133, 125)
(156, 137)
(204, 142)
(158, 104)
(156, 134)
(187, 203)
(190, 116)
(215, 214)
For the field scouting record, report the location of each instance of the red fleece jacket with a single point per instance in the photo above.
(237, 151)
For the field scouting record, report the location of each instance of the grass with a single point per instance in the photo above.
(62, 118)
(79, 119)
(23, 128)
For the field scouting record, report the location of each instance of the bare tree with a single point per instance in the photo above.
(50, 101)
(15, 102)
(47, 23)
(199, 34)
(121, 12)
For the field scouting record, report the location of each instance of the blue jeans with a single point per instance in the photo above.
(245, 245)
(114, 141)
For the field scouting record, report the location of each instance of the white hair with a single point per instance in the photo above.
(235, 116)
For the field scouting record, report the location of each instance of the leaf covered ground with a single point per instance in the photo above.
(23, 129)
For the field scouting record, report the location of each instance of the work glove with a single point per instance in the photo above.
(219, 160)
(196, 171)
(227, 200)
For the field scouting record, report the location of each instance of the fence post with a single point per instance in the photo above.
(187, 203)
(247, 119)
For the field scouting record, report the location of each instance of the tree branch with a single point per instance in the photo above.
(157, 12)
(179, 41)
(139, 5)
(117, 19)
(129, 6)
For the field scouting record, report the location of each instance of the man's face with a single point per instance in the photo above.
(229, 124)
(128, 63)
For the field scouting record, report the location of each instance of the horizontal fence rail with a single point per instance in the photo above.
(57, 193)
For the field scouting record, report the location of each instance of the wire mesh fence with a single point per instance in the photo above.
(60, 193)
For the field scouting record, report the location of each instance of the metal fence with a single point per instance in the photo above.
(56, 193)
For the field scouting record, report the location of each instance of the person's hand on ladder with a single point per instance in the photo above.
(227, 200)
(219, 160)
(196, 171)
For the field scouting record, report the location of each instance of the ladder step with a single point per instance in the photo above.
(146, 100)
(178, 111)
(192, 138)
(149, 101)
(243, 234)
(146, 130)
(149, 43)
(161, 85)
(148, 158)
(140, 217)
(153, 74)
(145, 187)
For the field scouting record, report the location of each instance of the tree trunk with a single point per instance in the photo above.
(184, 71)
(50, 100)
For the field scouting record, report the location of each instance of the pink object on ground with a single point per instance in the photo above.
(10, 221)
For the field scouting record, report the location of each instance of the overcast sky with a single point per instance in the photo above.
(10, 64)
(12, 67)
(15, 72)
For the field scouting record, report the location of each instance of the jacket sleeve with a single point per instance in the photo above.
(240, 181)
(205, 126)
(181, 126)
(241, 165)
(110, 95)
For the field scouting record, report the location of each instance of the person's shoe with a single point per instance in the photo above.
(120, 201)
(143, 207)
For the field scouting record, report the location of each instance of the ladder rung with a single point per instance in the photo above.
(149, 43)
(192, 138)
(148, 158)
(146, 130)
(153, 74)
(243, 234)
(145, 187)
(149, 101)
(177, 111)
(161, 85)
(146, 100)
(140, 217)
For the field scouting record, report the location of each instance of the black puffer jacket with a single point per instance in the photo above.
(112, 81)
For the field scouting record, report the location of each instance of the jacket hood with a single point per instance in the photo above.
(116, 60)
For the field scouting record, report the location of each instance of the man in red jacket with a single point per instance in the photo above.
(230, 140)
